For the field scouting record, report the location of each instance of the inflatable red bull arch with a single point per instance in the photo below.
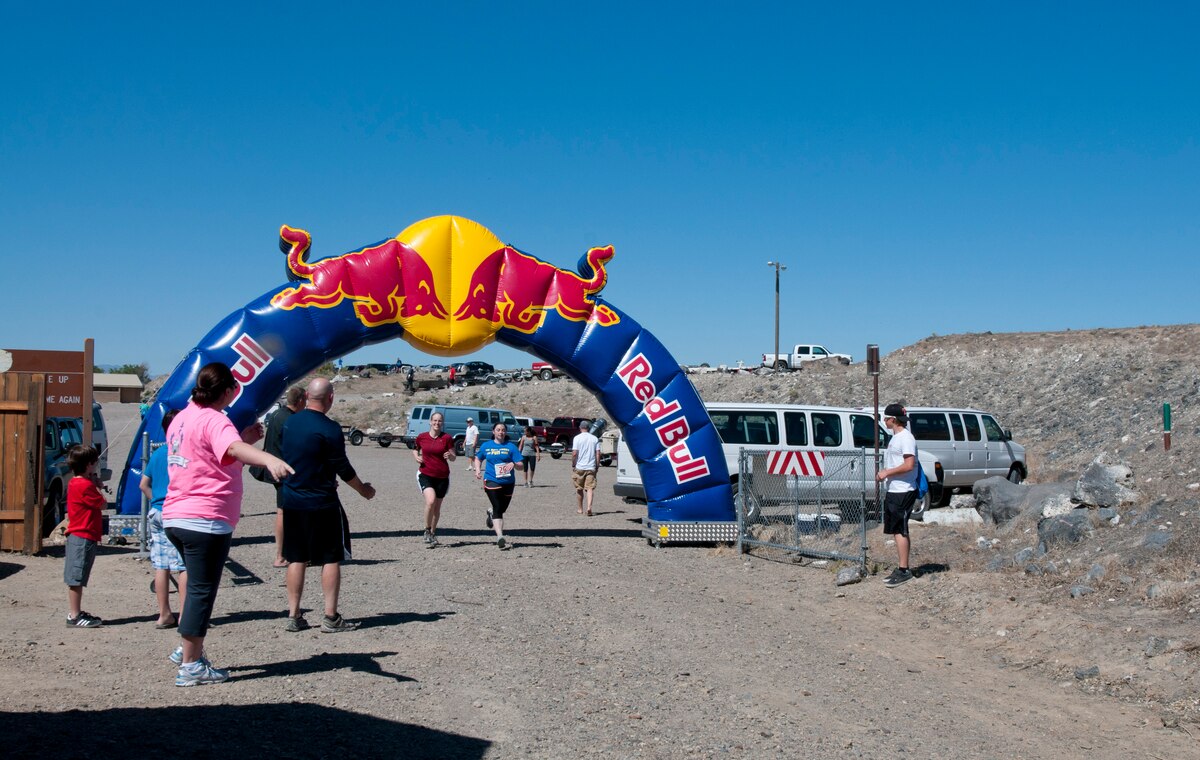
(449, 286)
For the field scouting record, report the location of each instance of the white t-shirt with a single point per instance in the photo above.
(902, 444)
(471, 436)
(585, 446)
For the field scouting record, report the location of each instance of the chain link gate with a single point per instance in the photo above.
(805, 503)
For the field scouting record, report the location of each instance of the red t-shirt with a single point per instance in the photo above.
(433, 451)
(84, 503)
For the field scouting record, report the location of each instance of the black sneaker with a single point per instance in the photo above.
(84, 620)
(489, 518)
(502, 543)
(898, 577)
(426, 538)
(297, 624)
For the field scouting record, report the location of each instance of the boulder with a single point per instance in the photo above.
(998, 500)
(948, 516)
(848, 575)
(1103, 485)
(1065, 529)
(1057, 504)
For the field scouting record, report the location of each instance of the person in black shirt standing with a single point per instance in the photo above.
(315, 528)
(273, 444)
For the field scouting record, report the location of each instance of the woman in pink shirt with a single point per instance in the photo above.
(205, 454)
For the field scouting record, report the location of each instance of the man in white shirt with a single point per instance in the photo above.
(900, 472)
(584, 461)
(469, 440)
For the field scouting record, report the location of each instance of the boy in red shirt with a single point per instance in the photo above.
(84, 527)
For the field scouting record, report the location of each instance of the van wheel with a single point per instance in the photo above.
(947, 494)
(556, 455)
(356, 438)
(753, 506)
(52, 513)
(606, 460)
(1015, 476)
(920, 507)
(546, 374)
(385, 440)
(459, 449)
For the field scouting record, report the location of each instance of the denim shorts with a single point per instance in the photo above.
(163, 554)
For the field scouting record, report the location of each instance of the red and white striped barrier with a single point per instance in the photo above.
(810, 463)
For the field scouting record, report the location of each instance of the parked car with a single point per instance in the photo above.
(538, 425)
(770, 427)
(971, 445)
(802, 352)
(59, 434)
(456, 422)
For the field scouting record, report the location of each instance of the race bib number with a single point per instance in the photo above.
(504, 469)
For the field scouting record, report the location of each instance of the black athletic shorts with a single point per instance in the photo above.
(316, 536)
(897, 508)
(439, 485)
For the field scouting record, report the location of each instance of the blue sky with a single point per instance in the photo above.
(920, 168)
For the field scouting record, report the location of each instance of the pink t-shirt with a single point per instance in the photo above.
(204, 482)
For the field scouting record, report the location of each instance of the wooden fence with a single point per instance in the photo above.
(21, 419)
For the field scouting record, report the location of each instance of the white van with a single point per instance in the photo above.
(767, 427)
(970, 444)
(456, 422)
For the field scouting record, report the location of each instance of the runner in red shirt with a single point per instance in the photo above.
(433, 451)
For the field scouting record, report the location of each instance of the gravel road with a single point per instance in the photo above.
(582, 641)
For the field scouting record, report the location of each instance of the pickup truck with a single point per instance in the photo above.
(560, 434)
(802, 352)
(545, 370)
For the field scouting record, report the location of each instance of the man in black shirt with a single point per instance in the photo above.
(315, 528)
(273, 444)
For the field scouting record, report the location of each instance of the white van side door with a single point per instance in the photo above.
(998, 453)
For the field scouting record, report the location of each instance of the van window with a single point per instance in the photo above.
(863, 428)
(97, 419)
(956, 425)
(797, 428)
(929, 426)
(426, 412)
(827, 429)
(973, 431)
(508, 419)
(747, 428)
(994, 433)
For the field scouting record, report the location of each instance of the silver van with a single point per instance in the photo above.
(456, 422)
(766, 427)
(971, 445)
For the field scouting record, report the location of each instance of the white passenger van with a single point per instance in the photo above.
(773, 427)
(970, 444)
(456, 422)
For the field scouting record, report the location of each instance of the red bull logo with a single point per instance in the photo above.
(443, 260)
(515, 290)
(387, 282)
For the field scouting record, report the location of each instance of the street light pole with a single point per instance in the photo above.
(778, 266)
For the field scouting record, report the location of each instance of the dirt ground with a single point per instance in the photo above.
(582, 641)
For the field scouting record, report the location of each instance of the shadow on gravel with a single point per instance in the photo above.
(247, 616)
(9, 568)
(129, 620)
(400, 618)
(929, 568)
(326, 662)
(286, 730)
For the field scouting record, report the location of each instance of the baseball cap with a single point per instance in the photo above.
(470, 420)
(897, 411)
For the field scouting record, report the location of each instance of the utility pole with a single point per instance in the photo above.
(778, 267)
